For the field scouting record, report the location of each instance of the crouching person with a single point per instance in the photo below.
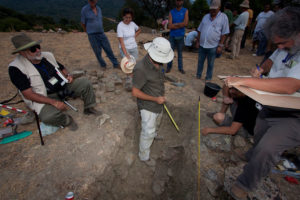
(148, 87)
(41, 79)
(243, 111)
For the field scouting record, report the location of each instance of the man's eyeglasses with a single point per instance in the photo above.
(33, 49)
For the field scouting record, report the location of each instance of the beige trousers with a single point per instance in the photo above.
(236, 42)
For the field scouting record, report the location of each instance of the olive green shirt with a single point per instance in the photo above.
(150, 80)
(229, 16)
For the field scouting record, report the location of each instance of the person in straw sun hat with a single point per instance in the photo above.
(40, 78)
(148, 87)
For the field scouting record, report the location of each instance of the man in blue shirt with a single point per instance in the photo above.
(91, 21)
(178, 20)
(211, 36)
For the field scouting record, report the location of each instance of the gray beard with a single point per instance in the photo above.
(39, 57)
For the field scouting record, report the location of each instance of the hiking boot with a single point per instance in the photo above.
(238, 193)
(72, 125)
(182, 71)
(151, 162)
(92, 111)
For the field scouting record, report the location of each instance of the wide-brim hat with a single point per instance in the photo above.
(22, 42)
(127, 65)
(245, 4)
(215, 4)
(160, 50)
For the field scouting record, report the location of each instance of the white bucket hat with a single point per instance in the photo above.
(160, 50)
(245, 4)
(215, 4)
(127, 65)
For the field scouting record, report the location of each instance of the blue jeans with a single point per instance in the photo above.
(99, 41)
(177, 42)
(262, 45)
(210, 53)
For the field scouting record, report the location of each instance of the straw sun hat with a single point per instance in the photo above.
(22, 42)
(127, 65)
(160, 50)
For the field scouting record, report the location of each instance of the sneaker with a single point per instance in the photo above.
(182, 71)
(117, 67)
(238, 193)
(198, 77)
(151, 162)
(72, 125)
(231, 57)
(254, 54)
(92, 111)
(227, 50)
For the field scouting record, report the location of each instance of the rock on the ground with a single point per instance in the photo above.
(239, 141)
(110, 86)
(212, 187)
(102, 119)
(218, 142)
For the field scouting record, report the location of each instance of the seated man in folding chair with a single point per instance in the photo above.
(41, 80)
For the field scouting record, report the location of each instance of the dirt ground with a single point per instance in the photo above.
(100, 162)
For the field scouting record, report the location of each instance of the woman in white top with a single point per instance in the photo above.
(127, 32)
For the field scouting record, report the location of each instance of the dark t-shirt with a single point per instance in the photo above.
(46, 70)
(149, 80)
(246, 113)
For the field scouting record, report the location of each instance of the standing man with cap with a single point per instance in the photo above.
(91, 22)
(178, 20)
(211, 36)
(148, 87)
(41, 79)
(240, 25)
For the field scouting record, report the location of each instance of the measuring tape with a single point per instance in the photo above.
(199, 137)
(12, 108)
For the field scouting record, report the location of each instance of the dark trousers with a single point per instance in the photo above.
(99, 41)
(272, 136)
(244, 37)
(177, 43)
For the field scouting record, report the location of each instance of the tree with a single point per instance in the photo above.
(197, 11)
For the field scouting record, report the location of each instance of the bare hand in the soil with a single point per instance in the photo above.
(204, 131)
(160, 100)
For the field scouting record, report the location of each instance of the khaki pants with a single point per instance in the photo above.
(82, 88)
(150, 123)
(236, 43)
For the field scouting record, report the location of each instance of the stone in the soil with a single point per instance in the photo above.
(212, 187)
(100, 75)
(110, 86)
(171, 78)
(218, 142)
(94, 80)
(102, 119)
(158, 187)
(117, 92)
(239, 141)
(128, 84)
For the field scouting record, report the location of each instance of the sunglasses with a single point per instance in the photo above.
(33, 49)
